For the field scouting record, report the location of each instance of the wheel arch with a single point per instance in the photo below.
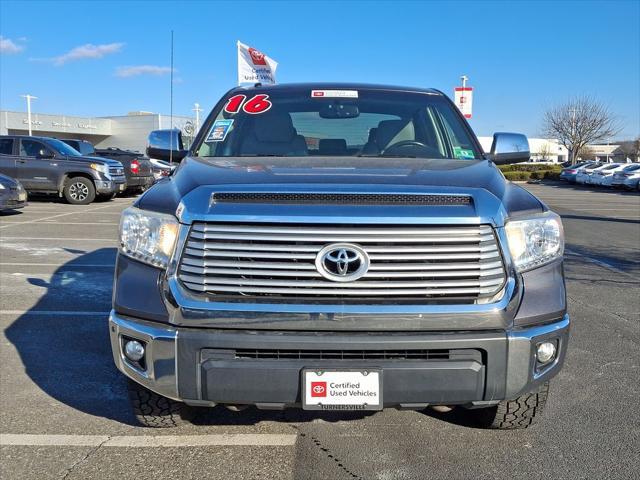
(73, 174)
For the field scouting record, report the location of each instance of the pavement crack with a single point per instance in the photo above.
(85, 457)
(604, 312)
(330, 455)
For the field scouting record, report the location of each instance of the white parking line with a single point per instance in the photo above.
(61, 215)
(53, 313)
(57, 239)
(132, 441)
(62, 265)
(61, 223)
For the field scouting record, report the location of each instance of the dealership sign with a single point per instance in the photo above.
(464, 100)
(254, 66)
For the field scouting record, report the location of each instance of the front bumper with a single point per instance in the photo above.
(13, 199)
(109, 186)
(204, 367)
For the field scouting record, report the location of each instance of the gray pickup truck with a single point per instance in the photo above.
(339, 247)
(47, 165)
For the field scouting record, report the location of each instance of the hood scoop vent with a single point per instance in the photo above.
(410, 199)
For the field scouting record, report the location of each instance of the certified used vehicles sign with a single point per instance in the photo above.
(342, 390)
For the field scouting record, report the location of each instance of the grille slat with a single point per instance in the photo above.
(319, 237)
(418, 354)
(315, 274)
(417, 263)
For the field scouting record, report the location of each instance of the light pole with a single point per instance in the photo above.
(29, 98)
(464, 79)
(196, 108)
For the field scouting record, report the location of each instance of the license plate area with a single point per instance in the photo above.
(342, 389)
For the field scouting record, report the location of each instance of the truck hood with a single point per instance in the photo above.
(196, 179)
(88, 159)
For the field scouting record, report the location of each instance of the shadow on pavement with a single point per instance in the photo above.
(600, 218)
(69, 357)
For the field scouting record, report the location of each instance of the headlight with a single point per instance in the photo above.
(2, 187)
(535, 241)
(100, 167)
(148, 236)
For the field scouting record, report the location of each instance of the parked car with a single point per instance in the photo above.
(47, 165)
(397, 268)
(137, 168)
(584, 172)
(569, 173)
(12, 194)
(161, 169)
(628, 177)
(604, 176)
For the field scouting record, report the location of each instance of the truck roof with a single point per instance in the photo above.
(338, 86)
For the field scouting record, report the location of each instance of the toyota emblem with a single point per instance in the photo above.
(342, 262)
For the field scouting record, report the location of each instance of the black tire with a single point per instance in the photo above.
(79, 191)
(513, 414)
(106, 198)
(155, 411)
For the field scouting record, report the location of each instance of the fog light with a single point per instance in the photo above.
(545, 352)
(134, 350)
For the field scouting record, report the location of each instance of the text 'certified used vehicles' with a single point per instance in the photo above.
(47, 165)
(339, 247)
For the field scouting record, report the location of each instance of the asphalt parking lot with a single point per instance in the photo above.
(64, 411)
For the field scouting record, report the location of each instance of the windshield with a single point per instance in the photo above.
(367, 123)
(63, 148)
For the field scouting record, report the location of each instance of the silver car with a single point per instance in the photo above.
(629, 177)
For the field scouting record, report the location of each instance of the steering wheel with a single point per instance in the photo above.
(432, 152)
(405, 143)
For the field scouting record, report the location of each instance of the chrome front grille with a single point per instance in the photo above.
(116, 171)
(418, 264)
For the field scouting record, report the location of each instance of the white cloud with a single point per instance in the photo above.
(9, 46)
(136, 70)
(87, 51)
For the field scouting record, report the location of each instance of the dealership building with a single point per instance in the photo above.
(126, 131)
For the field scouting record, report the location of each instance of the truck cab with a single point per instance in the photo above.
(339, 247)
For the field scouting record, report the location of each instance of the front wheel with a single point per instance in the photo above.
(79, 191)
(513, 414)
(156, 411)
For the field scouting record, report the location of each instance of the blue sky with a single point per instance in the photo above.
(521, 57)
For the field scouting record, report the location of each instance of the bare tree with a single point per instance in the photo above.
(631, 149)
(578, 122)
(586, 153)
(544, 152)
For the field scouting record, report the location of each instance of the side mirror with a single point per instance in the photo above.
(166, 145)
(509, 148)
(44, 153)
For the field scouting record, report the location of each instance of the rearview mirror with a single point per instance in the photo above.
(509, 148)
(339, 110)
(166, 145)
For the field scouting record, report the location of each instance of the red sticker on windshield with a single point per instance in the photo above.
(257, 104)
